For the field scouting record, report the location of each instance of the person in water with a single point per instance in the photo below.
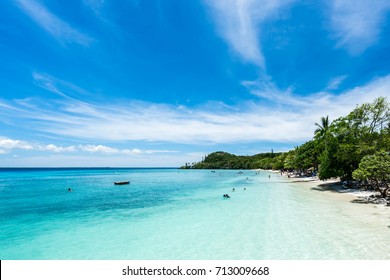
(69, 189)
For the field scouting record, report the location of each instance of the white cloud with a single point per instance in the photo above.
(239, 23)
(279, 116)
(10, 144)
(357, 24)
(132, 152)
(98, 148)
(53, 24)
(58, 149)
(7, 144)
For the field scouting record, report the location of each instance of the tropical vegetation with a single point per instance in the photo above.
(352, 147)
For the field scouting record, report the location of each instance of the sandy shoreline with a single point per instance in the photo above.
(335, 185)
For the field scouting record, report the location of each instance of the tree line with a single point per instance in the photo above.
(352, 147)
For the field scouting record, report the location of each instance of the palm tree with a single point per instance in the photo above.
(323, 127)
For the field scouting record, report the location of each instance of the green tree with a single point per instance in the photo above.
(329, 163)
(375, 170)
(306, 156)
(289, 160)
(322, 128)
(350, 138)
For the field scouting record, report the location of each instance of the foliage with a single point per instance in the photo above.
(330, 166)
(289, 160)
(322, 128)
(375, 170)
(350, 138)
(223, 160)
(306, 156)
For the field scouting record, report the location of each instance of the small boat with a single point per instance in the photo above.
(122, 183)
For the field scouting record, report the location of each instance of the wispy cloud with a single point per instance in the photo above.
(7, 145)
(59, 87)
(310, 108)
(239, 23)
(58, 28)
(335, 82)
(357, 24)
(95, 5)
(47, 83)
(265, 88)
(290, 117)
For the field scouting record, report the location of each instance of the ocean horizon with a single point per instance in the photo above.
(77, 168)
(170, 213)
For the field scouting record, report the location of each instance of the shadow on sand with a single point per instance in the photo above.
(337, 187)
(328, 187)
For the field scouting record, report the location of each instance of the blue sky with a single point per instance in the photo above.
(160, 83)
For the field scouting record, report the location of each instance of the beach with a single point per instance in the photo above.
(168, 214)
(335, 185)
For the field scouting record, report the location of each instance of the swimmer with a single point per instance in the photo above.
(69, 189)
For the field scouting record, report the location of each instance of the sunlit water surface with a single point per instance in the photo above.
(181, 214)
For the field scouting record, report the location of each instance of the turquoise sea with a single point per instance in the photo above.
(181, 214)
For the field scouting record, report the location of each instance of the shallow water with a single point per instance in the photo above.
(181, 214)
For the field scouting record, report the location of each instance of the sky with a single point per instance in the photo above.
(153, 83)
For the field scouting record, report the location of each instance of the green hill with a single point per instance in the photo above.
(224, 160)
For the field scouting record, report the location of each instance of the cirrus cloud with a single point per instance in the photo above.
(238, 22)
(58, 28)
(357, 24)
